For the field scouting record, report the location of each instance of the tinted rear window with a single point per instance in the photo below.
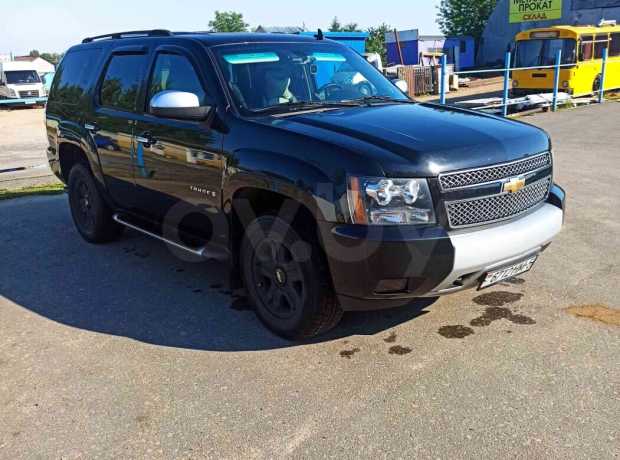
(75, 75)
(122, 80)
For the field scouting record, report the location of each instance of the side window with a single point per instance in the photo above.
(602, 42)
(75, 75)
(614, 49)
(122, 80)
(587, 47)
(175, 72)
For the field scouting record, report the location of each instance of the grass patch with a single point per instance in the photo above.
(52, 189)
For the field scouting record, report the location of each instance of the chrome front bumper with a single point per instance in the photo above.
(478, 252)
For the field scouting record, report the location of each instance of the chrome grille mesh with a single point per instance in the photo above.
(492, 173)
(497, 207)
(31, 93)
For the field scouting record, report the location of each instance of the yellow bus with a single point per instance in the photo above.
(582, 52)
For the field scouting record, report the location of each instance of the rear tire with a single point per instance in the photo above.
(596, 86)
(287, 280)
(91, 215)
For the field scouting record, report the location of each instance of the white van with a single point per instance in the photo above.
(19, 80)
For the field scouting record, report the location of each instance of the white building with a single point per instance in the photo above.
(38, 63)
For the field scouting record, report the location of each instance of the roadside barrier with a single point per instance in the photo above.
(507, 70)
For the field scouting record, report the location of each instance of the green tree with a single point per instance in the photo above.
(335, 26)
(351, 27)
(376, 41)
(228, 21)
(34, 53)
(53, 58)
(465, 17)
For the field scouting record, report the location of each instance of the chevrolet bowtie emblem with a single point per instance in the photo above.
(514, 185)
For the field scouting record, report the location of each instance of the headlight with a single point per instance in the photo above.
(383, 201)
(12, 92)
(515, 83)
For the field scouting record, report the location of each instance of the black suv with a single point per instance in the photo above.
(294, 160)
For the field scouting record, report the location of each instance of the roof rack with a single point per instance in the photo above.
(130, 34)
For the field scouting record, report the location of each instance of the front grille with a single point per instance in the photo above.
(494, 208)
(460, 179)
(32, 93)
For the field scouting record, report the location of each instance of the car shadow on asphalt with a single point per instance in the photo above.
(138, 288)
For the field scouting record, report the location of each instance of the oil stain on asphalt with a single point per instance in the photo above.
(597, 312)
(497, 299)
(391, 338)
(348, 354)
(455, 332)
(496, 313)
(398, 350)
(515, 281)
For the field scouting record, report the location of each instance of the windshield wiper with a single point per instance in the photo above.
(303, 105)
(383, 99)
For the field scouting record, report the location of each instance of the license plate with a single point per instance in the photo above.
(502, 274)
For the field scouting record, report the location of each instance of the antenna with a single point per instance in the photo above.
(319, 35)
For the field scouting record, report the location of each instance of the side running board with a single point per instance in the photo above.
(204, 251)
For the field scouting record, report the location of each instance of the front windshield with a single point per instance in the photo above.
(265, 76)
(534, 53)
(16, 77)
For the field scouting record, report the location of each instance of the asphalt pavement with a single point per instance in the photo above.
(125, 351)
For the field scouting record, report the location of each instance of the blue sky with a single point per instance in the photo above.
(54, 25)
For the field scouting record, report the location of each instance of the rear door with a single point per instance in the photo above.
(178, 164)
(113, 119)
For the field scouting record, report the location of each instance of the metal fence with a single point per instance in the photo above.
(507, 71)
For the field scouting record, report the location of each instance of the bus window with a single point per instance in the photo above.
(528, 53)
(614, 49)
(553, 46)
(534, 53)
(587, 47)
(602, 42)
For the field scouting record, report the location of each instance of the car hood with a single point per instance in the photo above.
(420, 139)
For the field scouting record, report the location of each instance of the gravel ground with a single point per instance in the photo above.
(23, 161)
(124, 351)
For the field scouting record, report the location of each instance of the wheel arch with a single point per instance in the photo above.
(75, 144)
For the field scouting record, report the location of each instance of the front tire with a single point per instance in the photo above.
(91, 215)
(286, 278)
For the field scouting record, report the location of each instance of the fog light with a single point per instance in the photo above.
(391, 286)
(565, 84)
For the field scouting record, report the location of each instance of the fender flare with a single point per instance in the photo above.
(288, 176)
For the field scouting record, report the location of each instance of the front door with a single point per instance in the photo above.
(178, 164)
(113, 121)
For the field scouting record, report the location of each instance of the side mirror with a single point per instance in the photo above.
(178, 104)
(402, 85)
